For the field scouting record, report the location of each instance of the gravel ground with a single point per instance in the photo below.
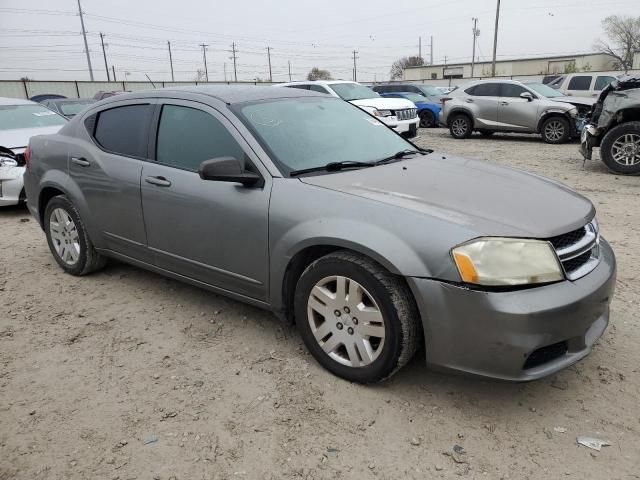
(127, 375)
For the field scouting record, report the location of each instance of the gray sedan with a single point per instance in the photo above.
(305, 205)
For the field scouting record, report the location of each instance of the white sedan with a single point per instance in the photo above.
(19, 121)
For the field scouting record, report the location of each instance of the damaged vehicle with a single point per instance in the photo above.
(19, 121)
(614, 126)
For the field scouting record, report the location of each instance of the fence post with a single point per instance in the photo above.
(123, 86)
(26, 91)
(77, 88)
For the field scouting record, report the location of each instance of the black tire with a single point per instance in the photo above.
(607, 147)
(486, 133)
(555, 130)
(402, 326)
(460, 126)
(427, 119)
(88, 259)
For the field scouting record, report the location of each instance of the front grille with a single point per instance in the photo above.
(545, 354)
(406, 114)
(578, 250)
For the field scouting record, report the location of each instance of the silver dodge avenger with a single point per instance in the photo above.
(305, 205)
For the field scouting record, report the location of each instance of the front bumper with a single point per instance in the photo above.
(401, 126)
(588, 139)
(11, 185)
(519, 335)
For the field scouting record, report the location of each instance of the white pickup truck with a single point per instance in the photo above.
(397, 113)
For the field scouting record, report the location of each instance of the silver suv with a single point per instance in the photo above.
(507, 106)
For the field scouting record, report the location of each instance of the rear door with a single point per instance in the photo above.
(514, 112)
(213, 232)
(483, 100)
(106, 168)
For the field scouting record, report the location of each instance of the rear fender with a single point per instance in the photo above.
(456, 110)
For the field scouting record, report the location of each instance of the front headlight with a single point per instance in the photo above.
(382, 113)
(507, 261)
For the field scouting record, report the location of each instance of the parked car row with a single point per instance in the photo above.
(295, 201)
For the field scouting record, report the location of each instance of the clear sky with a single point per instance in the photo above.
(41, 38)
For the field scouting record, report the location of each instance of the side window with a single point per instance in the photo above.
(382, 89)
(301, 87)
(511, 90)
(486, 90)
(318, 88)
(582, 82)
(187, 137)
(470, 90)
(414, 89)
(123, 130)
(602, 82)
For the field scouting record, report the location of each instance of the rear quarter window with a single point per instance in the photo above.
(123, 130)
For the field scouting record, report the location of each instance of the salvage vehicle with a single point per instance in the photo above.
(67, 107)
(428, 112)
(614, 126)
(303, 204)
(508, 106)
(19, 120)
(399, 114)
(431, 93)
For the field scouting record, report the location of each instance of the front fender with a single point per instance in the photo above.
(549, 112)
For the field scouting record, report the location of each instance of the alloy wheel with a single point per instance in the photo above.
(459, 127)
(346, 321)
(64, 236)
(626, 150)
(554, 130)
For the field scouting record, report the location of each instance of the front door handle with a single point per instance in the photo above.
(158, 181)
(82, 162)
(469, 100)
(504, 103)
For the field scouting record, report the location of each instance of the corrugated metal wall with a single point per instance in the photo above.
(71, 89)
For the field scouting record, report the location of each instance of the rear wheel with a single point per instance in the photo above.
(427, 119)
(555, 130)
(620, 149)
(68, 239)
(460, 126)
(359, 321)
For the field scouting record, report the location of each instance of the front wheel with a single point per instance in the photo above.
(620, 149)
(359, 321)
(68, 239)
(555, 130)
(461, 126)
(427, 119)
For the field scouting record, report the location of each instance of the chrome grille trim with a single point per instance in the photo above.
(406, 114)
(589, 242)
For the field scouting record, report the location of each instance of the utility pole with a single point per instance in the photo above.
(86, 45)
(419, 47)
(204, 56)
(495, 41)
(445, 59)
(269, 57)
(224, 65)
(170, 61)
(289, 63)
(355, 68)
(431, 47)
(476, 33)
(114, 72)
(233, 51)
(106, 67)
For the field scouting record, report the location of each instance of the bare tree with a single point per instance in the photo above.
(399, 65)
(623, 39)
(319, 74)
(200, 75)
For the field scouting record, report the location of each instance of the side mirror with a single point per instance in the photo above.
(527, 95)
(228, 169)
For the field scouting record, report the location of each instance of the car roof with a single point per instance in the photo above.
(229, 94)
(480, 82)
(15, 101)
(57, 101)
(317, 82)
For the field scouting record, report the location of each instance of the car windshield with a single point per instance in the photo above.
(311, 132)
(353, 91)
(429, 90)
(27, 116)
(544, 90)
(73, 108)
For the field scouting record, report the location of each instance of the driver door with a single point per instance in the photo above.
(517, 113)
(210, 231)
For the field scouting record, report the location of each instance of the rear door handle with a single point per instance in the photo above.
(469, 100)
(158, 181)
(504, 103)
(83, 162)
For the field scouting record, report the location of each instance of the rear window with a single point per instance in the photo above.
(582, 82)
(123, 130)
(28, 116)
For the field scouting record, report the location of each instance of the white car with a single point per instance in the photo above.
(397, 113)
(19, 121)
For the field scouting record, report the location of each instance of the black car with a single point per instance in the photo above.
(67, 107)
(430, 92)
(614, 126)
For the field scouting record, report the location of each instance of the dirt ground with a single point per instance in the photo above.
(127, 375)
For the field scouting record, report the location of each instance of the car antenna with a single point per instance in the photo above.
(154, 85)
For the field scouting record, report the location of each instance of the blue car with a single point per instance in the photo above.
(428, 112)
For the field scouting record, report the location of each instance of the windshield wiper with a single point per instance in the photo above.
(333, 167)
(401, 154)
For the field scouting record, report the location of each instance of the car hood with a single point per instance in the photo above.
(17, 139)
(382, 103)
(485, 198)
(586, 101)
